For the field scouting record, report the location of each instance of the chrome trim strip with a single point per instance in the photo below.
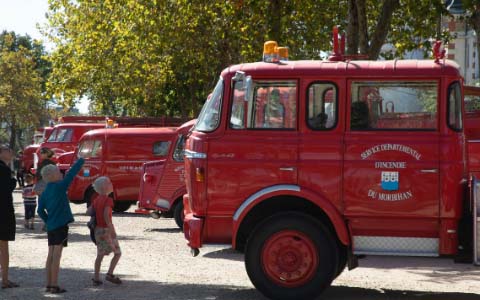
(393, 245)
(192, 154)
(270, 189)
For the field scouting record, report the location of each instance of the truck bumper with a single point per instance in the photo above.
(192, 229)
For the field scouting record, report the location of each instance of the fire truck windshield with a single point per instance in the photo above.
(209, 117)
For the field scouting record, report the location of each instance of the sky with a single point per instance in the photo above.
(22, 17)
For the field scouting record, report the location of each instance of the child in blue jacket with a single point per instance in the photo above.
(54, 209)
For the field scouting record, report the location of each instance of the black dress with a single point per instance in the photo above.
(7, 214)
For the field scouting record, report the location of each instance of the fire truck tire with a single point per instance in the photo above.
(291, 256)
(342, 260)
(178, 214)
(121, 206)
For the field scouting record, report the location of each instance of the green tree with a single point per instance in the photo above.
(161, 57)
(21, 101)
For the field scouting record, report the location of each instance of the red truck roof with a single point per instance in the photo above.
(389, 69)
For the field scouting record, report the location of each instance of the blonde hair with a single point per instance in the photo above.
(48, 171)
(101, 184)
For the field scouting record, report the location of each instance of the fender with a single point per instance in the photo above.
(291, 190)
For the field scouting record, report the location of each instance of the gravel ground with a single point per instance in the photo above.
(156, 264)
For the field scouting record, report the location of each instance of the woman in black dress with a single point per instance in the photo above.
(7, 214)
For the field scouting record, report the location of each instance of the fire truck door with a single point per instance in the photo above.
(391, 167)
(258, 151)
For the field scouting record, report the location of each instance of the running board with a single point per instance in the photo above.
(396, 246)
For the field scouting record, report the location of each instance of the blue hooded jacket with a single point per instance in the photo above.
(53, 205)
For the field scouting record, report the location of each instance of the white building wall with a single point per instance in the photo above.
(462, 48)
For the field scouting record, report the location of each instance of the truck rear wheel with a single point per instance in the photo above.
(121, 206)
(291, 256)
(178, 214)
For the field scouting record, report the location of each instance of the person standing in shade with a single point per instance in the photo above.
(54, 209)
(7, 213)
(18, 165)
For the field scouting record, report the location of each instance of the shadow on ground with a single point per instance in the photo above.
(78, 284)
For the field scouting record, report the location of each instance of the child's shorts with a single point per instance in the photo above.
(58, 236)
(30, 211)
(106, 244)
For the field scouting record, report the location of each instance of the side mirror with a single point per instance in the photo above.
(239, 76)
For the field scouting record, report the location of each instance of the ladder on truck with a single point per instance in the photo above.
(476, 221)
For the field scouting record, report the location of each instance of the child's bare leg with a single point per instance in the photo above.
(48, 265)
(55, 265)
(98, 263)
(113, 263)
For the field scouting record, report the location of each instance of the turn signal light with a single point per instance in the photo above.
(199, 175)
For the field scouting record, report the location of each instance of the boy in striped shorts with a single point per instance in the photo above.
(29, 201)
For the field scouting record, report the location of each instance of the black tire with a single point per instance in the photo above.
(121, 206)
(342, 260)
(178, 214)
(291, 256)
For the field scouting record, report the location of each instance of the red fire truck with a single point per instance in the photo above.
(65, 135)
(162, 184)
(118, 153)
(364, 158)
(30, 150)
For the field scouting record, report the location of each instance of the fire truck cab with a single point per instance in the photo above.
(305, 165)
(162, 184)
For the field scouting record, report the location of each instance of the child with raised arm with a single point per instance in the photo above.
(54, 209)
(105, 234)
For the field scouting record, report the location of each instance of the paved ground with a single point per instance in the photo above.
(156, 264)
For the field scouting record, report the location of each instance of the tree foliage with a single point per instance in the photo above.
(162, 57)
(23, 72)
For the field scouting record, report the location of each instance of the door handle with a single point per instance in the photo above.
(429, 171)
(291, 169)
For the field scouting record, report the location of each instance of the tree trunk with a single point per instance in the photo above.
(13, 133)
(275, 29)
(352, 28)
(382, 28)
(362, 27)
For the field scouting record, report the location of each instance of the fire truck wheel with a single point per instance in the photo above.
(178, 214)
(291, 256)
(121, 206)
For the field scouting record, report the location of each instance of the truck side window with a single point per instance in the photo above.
(64, 135)
(53, 135)
(179, 148)
(90, 149)
(209, 117)
(161, 148)
(322, 106)
(455, 107)
(394, 105)
(97, 149)
(273, 106)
